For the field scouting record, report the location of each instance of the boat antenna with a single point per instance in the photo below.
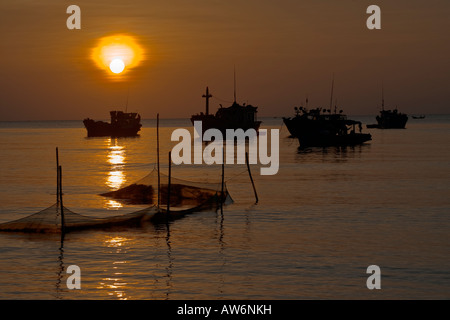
(382, 96)
(235, 84)
(332, 88)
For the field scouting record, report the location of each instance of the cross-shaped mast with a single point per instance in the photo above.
(207, 96)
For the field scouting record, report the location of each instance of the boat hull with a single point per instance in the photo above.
(291, 126)
(325, 131)
(211, 122)
(390, 120)
(397, 123)
(104, 129)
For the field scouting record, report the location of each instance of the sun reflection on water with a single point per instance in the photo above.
(115, 284)
(115, 242)
(112, 204)
(115, 179)
(116, 176)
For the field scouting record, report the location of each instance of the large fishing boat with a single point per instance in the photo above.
(322, 128)
(123, 124)
(234, 117)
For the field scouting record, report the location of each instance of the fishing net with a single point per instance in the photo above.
(187, 198)
(49, 220)
(183, 193)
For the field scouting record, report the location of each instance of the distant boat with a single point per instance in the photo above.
(419, 117)
(389, 119)
(234, 117)
(321, 128)
(123, 124)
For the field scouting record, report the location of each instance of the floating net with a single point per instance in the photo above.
(186, 197)
(183, 193)
(49, 221)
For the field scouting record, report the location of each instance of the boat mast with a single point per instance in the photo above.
(207, 96)
(332, 88)
(382, 97)
(234, 84)
(128, 95)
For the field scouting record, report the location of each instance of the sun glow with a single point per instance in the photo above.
(117, 54)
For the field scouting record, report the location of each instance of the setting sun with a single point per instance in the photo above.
(117, 54)
(117, 65)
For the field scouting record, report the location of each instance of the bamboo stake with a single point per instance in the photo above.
(57, 176)
(251, 179)
(168, 183)
(63, 223)
(223, 179)
(157, 152)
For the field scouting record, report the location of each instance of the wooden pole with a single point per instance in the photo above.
(157, 153)
(168, 183)
(250, 174)
(63, 223)
(57, 176)
(223, 181)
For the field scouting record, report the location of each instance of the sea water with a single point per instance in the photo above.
(321, 221)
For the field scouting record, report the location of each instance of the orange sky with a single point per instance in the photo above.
(283, 50)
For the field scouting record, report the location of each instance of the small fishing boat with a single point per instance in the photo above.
(389, 119)
(123, 124)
